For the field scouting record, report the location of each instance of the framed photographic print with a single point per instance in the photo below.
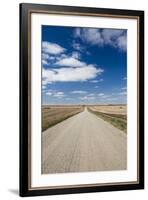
(81, 99)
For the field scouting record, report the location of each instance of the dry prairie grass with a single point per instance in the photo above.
(111, 109)
(52, 115)
(114, 114)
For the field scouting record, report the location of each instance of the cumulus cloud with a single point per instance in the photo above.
(70, 74)
(43, 87)
(97, 81)
(71, 67)
(79, 92)
(50, 51)
(45, 56)
(46, 59)
(77, 46)
(52, 48)
(70, 62)
(122, 42)
(76, 55)
(112, 99)
(113, 37)
(49, 93)
(90, 35)
(101, 94)
(87, 98)
(124, 93)
(94, 81)
(57, 94)
(110, 35)
(44, 62)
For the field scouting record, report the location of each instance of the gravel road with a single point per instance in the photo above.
(83, 143)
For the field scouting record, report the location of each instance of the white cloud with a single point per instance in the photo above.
(91, 95)
(45, 56)
(70, 74)
(44, 82)
(52, 48)
(101, 94)
(70, 62)
(77, 46)
(101, 80)
(79, 92)
(96, 86)
(76, 55)
(60, 93)
(49, 93)
(43, 87)
(50, 52)
(77, 32)
(94, 81)
(124, 88)
(112, 99)
(87, 98)
(97, 81)
(113, 37)
(57, 94)
(122, 42)
(44, 62)
(106, 96)
(52, 58)
(124, 93)
(61, 56)
(89, 35)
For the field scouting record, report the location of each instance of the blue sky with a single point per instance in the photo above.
(84, 65)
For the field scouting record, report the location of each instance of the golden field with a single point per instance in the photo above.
(114, 114)
(111, 109)
(53, 114)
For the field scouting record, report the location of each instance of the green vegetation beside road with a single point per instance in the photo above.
(119, 121)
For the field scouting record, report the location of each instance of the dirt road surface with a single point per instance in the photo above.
(83, 143)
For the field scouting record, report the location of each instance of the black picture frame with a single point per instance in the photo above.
(25, 91)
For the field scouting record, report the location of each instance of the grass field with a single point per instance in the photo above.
(52, 115)
(114, 114)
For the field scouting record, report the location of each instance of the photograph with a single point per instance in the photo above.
(84, 99)
(81, 99)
